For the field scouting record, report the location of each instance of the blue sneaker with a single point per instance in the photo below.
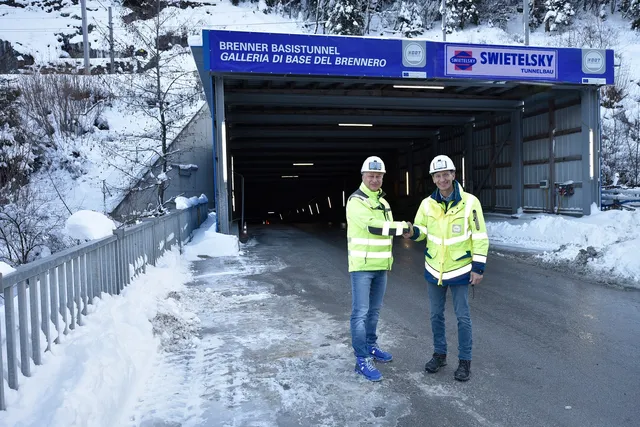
(365, 367)
(379, 355)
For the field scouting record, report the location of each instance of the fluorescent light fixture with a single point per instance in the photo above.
(591, 160)
(344, 203)
(298, 211)
(366, 125)
(310, 210)
(289, 176)
(318, 209)
(329, 199)
(281, 219)
(233, 188)
(223, 133)
(417, 87)
(463, 186)
(271, 213)
(406, 179)
(303, 164)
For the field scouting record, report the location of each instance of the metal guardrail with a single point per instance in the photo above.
(53, 293)
(620, 198)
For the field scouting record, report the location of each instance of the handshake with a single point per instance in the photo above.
(407, 232)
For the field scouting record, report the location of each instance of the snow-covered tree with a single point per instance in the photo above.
(163, 90)
(409, 19)
(631, 10)
(460, 13)
(496, 13)
(27, 226)
(537, 12)
(346, 17)
(559, 15)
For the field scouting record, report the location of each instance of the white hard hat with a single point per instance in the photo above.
(373, 164)
(441, 163)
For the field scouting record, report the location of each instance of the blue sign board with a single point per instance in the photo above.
(302, 54)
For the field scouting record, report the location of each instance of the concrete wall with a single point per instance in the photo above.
(194, 145)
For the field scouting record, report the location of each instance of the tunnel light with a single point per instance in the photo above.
(318, 209)
(406, 178)
(310, 210)
(297, 211)
(417, 87)
(270, 213)
(281, 219)
(343, 200)
(356, 124)
(463, 175)
(303, 164)
(289, 176)
(223, 132)
(329, 199)
(233, 188)
(591, 160)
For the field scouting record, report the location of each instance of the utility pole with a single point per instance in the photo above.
(443, 12)
(525, 18)
(85, 37)
(111, 47)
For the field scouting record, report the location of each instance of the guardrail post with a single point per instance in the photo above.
(120, 269)
(10, 323)
(35, 320)
(3, 405)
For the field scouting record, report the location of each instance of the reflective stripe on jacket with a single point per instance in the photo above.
(456, 235)
(370, 231)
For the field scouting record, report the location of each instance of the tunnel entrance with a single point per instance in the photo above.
(292, 129)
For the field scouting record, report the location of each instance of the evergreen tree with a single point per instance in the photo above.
(537, 12)
(559, 15)
(409, 20)
(460, 13)
(632, 11)
(346, 18)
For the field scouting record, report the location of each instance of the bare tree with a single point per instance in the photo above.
(163, 88)
(27, 223)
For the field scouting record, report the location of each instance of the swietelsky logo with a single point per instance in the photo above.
(463, 60)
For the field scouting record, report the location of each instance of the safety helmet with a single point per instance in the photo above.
(373, 164)
(441, 163)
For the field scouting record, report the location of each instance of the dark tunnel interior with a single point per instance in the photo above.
(298, 143)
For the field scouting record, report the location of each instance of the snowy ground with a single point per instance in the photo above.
(169, 342)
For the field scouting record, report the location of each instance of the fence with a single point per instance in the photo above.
(620, 198)
(53, 293)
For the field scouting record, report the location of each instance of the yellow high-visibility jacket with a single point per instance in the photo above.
(370, 230)
(456, 235)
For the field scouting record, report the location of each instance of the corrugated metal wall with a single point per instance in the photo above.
(553, 144)
(552, 147)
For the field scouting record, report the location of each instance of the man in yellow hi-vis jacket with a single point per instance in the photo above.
(370, 231)
(452, 223)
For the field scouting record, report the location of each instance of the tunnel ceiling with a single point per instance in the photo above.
(273, 122)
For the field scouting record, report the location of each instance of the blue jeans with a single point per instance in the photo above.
(437, 299)
(367, 292)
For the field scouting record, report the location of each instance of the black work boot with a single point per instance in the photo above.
(437, 361)
(463, 373)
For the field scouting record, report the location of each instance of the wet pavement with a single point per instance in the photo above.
(273, 347)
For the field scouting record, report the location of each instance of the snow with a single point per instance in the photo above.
(98, 373)
(89, 225)
(184, 203)
(6, 268)
(208, 243)
(94, 373)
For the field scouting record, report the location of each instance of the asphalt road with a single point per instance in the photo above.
(550, 349)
